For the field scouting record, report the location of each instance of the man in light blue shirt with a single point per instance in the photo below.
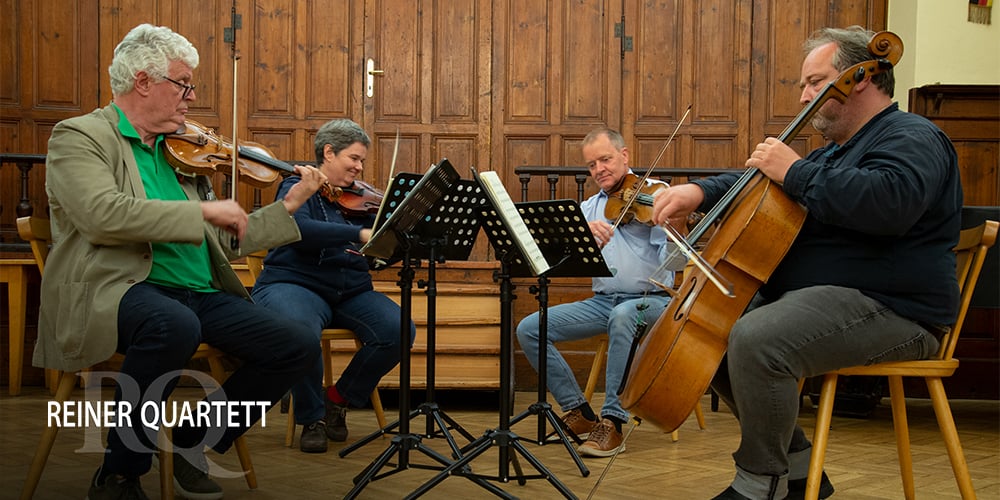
(633, 252)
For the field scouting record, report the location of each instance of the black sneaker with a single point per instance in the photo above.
(797, 488)
(115, 487)
(336, 421)
(313, 438)
(191, 479)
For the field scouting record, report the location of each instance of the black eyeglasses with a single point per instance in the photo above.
(187, 88)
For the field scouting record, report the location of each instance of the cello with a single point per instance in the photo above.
(674, 362)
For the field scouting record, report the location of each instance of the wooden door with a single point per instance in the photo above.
(430, 81)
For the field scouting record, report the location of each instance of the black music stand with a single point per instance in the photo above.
(563, 235)
(514, 245)
(409, 228)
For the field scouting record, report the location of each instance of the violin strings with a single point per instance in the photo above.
(645, 177)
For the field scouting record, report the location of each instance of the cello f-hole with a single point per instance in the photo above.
(688, 300)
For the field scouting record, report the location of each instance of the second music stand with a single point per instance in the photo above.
(514, 244)
(563, 235)
(408, 230)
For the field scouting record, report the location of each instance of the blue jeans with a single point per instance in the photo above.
(159, 328)
(615, 314)
(373, 317)
(804, 333)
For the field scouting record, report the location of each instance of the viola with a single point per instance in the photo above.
(675, 361)
(641, 208)
(197, 150)
(360, 198)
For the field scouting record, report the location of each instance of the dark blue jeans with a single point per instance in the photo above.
(159, 328)
(374, 318)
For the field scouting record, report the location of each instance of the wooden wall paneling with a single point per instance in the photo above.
(328, 69)
(521, 89)
(693, 55)
(50, 45)
(588, 73)
(557, 76)
(11, 55)
(776, 65)
(435, 84)
(970, 115)
(779, 29)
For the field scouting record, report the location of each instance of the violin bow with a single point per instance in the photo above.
(392, 174)
(642, 181)
(230, 36)
(635, 423)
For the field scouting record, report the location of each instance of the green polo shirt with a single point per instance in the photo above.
(177, 265)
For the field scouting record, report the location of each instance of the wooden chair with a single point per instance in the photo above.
(600, 357)
(255, 264)
(37, 232)
(971, 251)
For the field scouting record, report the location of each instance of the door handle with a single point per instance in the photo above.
(370, 74)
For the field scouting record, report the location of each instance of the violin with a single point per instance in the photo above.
(359, 199)
(197, 150)
(641, 208)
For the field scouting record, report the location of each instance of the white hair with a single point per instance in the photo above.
(151, 49)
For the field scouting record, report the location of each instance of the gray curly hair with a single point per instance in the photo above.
(339, 134)
(151, 49)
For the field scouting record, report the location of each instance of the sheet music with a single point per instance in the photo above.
(512, 219)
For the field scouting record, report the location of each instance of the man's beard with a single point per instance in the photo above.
(821, 123)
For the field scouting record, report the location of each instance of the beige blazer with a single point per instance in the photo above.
(102, 226)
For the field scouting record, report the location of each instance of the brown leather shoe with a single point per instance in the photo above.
(604, 440)
(576, 422)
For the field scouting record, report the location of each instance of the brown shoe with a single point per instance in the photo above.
(604, 440)
(578, 424)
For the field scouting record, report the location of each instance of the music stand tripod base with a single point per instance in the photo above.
(502, 437)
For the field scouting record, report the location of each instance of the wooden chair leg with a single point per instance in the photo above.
(63, 390)
(327, 348)
(243, 452)
(946, 423)
(600, 355)
(290, 426)
(379, 411)
(824, 415)
(899, 421)
(698, 414)
(165, 439)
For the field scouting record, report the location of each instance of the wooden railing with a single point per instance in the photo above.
(579, 174)
(10, 242)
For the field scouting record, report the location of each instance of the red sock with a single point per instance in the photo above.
(333, 395)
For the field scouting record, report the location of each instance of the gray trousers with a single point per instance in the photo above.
(804, 333)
